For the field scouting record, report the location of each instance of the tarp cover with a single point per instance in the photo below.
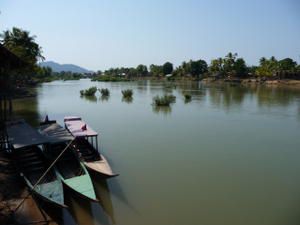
(79, 128)
(56, 133)
(21, 134)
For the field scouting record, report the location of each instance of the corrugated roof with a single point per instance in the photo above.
(21, 134)
(56, 133)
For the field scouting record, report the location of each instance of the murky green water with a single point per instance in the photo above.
(230, 156)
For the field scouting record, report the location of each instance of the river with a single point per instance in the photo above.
(229, 156)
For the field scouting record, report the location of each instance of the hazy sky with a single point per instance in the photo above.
(99, 34)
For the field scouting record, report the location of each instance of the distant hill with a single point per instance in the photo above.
(56, 67)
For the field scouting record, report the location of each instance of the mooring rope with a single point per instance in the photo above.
(42, 177)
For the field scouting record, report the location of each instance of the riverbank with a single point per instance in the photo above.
(256, 81)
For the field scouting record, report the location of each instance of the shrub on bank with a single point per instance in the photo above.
(105, 78)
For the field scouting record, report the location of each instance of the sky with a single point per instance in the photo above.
(100, 34)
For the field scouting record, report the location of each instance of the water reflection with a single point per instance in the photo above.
(80, 209)
(187, 100)
(127, 99)
(166, 110)
(227, 96)
(90, 98)
(104, 98)
(27, 109)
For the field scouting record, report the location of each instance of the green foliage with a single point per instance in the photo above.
(104, 92)
(272, 67)
(216, 66)
(193, 68)
(105, 78)
(165, 100)
(230, 65)
(156, 70)
(287, 64)
(121, 74)
(167, 68)
(22, 44)
(239, 68)
(43, 74)
(127, 93)
(142, 70)
(267, 67)
(88, 92)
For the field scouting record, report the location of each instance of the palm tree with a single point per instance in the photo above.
(22, 44)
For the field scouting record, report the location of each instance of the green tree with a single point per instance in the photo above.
(22, 44)
(287, 64)
(142, 70)
(167, 68)
(228, 63)
(156, 70)
(197, 67)
(217, 66)
(240, 68)
(267, 67)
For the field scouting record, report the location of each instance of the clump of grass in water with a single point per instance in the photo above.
(104, 92)
(127, 93)
(88, 92)
(165, 100)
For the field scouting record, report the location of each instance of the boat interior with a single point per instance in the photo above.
(32, 163)
(86, 150)
(68, 165)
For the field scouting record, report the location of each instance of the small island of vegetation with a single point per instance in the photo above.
(165, 100)
(89, 92)
(127, 93)
(104, 92)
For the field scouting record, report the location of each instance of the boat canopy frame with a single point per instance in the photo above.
(79, 129)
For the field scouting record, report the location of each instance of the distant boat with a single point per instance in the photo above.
(31, 163)
(86, 145)
(71, 171)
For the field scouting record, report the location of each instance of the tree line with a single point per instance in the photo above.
(229, 66)
(24, 45)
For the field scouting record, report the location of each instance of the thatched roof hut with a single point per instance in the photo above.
(9, 63)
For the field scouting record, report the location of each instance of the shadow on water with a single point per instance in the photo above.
(118, 192)
(103, 194)
(104, 98)
(86, 212)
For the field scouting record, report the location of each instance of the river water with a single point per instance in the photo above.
(229, 156)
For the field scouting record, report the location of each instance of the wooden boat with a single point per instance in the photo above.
(24, 141)
(86, 145)
(69, 168)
